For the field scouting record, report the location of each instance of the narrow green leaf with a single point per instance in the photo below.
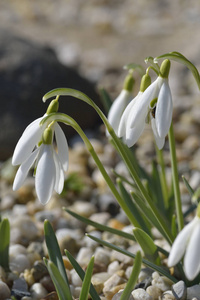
(139, 221)
(62, 288)
(4, 243)
(147, 245)
(81, 273)
(156, 187)
(105, 99)
(133, 278)
(178, 57)
(54, 250)
(149, 264)
(87, 280)
(174, 226)
(188, 186)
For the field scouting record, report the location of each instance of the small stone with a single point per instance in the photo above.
(77, 291)
(47, 283)
(154, 292)
(19, 263)
(168, 296)
(140, 294)
(111, 283)
(193, 291)
(50, 296)
(114, 223)
(179, 290)
(85, 209)
(4, 291)
(98, 280)
(20, 288)
(75, 279)
(39, 270)
(38, 291)
(115, 255)
(161, 282)
(118, 296)
(84, 255)
(26, 226)
(113, 267)
(102, 255)
(101, 218)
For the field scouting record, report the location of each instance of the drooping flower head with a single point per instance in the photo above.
(36, 146)
(152, 105)
(121, 103)
(187, 244)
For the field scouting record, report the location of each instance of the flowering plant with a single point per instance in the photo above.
(149, 204)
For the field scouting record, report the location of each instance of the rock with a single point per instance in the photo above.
(110, 284)
(140, 294)
(27, 72)
(75, 279)
(98, 280)
(118, 296)
(161, 282)
(20, 288)
(84, 255)
(193, 291)
(154, 292)
(19, 263)
(38, 291)
(102, 255)
(4, 291)
(179, 290)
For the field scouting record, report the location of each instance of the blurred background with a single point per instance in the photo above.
(84, 45)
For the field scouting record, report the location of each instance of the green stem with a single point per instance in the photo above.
(177, 194)
(141, 187)
(163, 177)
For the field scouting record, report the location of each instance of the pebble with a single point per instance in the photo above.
(4, 291)
(114, 281)
(84, 255)
(118, 296)
(98, 280)
(161, 282)
(154, 292)
(38, 291)
(193, 291)
(113, 267)
(179, 290)
(140, 294)
(102, 255)
(85, 209)
(168, 296)
(75, 279)
(26, 226)
(19, 263)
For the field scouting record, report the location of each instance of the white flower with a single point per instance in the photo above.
(188, 242)
(49, 164)
(118, 107)
(140, 109)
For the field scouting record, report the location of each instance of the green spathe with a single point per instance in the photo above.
(128, 83)
(164, 68)
(47, 136)
(145, 82)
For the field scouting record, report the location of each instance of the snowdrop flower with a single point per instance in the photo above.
(153, 105)
(188, 242)
(36, 146)
(121, 103)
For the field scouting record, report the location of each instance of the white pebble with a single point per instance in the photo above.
(154, 292)
(75, 279)
(84, 256)
(193, 291)
(38, 291)
(16, 249)
(161, 282)
(4, 291)
(113, 267)
(140, 294)
(102, 255)
(19, 263)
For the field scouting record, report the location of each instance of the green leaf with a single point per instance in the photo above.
(81, 273)
(87, 280)
(54, 250)
(133, 278)
(147, 244)
(139, 221)
(149, 264)
(173, 226)
(188, 186)
(62, 288)
(4, 243)
(178, 57)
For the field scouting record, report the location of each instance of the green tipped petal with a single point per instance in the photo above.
(165, 68)
(128, 83)
(145, 82)
(53, 107)
(47, 136)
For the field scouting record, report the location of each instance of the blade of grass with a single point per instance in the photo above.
(87, 280)
(81, 273)
(133, 278)
(54, 250)
(4, 243)
(61, 287)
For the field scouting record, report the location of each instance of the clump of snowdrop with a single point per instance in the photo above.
(187, 244)
(154, 105)
(121, 103)
(35, 147)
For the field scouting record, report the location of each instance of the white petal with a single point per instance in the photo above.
(159, 141)
(180, 243)
(29, 139)
(164, 109)
(118, 108)
(192, 256)
(124, 118)
(59, 184)
(63, 152)
(141, 106)
(23, 170)
(45, 174)
(133, 134)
